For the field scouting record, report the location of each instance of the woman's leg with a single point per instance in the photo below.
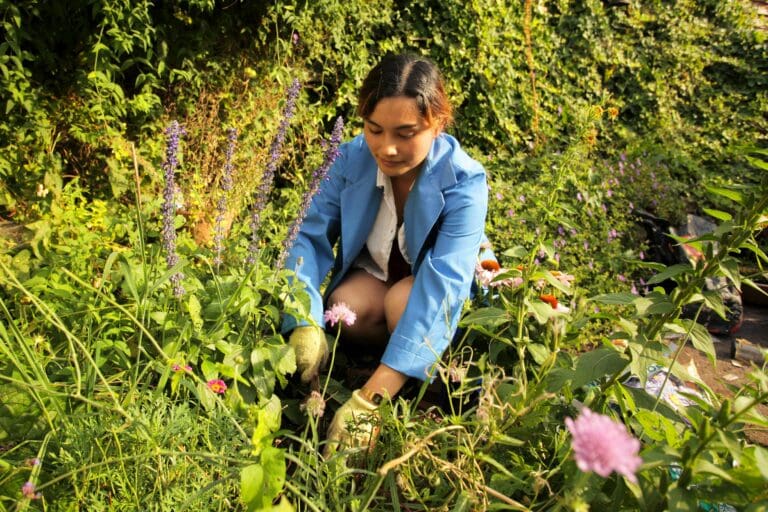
(365, 295)
(396, 300)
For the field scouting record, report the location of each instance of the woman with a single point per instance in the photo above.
(408, 206)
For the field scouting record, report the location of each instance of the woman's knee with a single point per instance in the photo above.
(395, 301)
(364, 295)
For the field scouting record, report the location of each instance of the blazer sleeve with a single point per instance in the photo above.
(442, 282)
(311, 257)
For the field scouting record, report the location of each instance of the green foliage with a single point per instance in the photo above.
(580, 111)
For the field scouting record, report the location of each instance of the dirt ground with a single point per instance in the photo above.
(731, 370)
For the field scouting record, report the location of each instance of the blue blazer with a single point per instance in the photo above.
(444, 221)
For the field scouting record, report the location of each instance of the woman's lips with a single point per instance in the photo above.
(389, 163)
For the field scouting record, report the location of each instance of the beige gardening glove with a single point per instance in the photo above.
(355, 424)
(311, 350)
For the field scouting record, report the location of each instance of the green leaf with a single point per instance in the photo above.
(733, 195)
(596, 364)
(273, 462)
(251, 486)
(193, 305)
(718, 214)
(538, 352)
(485, 317)
(700, 338)
(682, 500)
(730, 268)
(704, 466)
(517, 252)
(761, 457)
(670, 272)
(714, 301)
(622, 298)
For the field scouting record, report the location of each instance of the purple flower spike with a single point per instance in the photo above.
(221, 205)
(173, 134)
(268, 177)
(331, 153)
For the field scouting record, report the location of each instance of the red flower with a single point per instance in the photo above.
(491, 265)
(549, 299)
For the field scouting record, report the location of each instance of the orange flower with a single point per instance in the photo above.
(549, 299)
(613, 112)
(491, 265)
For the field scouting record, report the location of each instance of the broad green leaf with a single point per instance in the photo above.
(558, 378)
(704, 466)
(714, 301)
(670, 272)
(700, 338)
(541, 310)
(486, 317)
(682, 500)
(761, 457)
(730, 268)
(518, 252)
(251, 486)
(283, 359)
(273, 463)
(622, 298)
(538, 352)
(193, 305)
(596, 364)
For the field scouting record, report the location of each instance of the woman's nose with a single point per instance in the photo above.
(390, 148)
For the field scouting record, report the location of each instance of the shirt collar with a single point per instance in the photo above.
(381, 179)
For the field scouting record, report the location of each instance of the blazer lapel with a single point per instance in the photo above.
(359, 206)
(425, 202)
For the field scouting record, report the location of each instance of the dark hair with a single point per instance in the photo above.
(411, 76)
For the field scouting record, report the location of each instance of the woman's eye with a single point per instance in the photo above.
(407, 135)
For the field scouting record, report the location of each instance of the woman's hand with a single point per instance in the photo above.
(311, 350)
(355, 424)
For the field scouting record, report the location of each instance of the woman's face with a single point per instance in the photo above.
(398, 136)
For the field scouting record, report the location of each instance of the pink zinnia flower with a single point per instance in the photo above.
(603, 445)
(218, 386)
(340, 313)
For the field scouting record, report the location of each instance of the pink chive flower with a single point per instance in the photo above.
(218, 386)
(602, 445)
(28, 490)
(314, 405)
(340, 313)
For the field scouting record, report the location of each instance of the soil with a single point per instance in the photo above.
(732, 369)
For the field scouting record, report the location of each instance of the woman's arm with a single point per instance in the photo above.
(442, 281)
(385, 382)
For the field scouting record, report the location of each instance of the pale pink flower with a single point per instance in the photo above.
(340, 313)
(602, 445)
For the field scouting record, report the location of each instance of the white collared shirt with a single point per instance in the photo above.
(382, 235)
